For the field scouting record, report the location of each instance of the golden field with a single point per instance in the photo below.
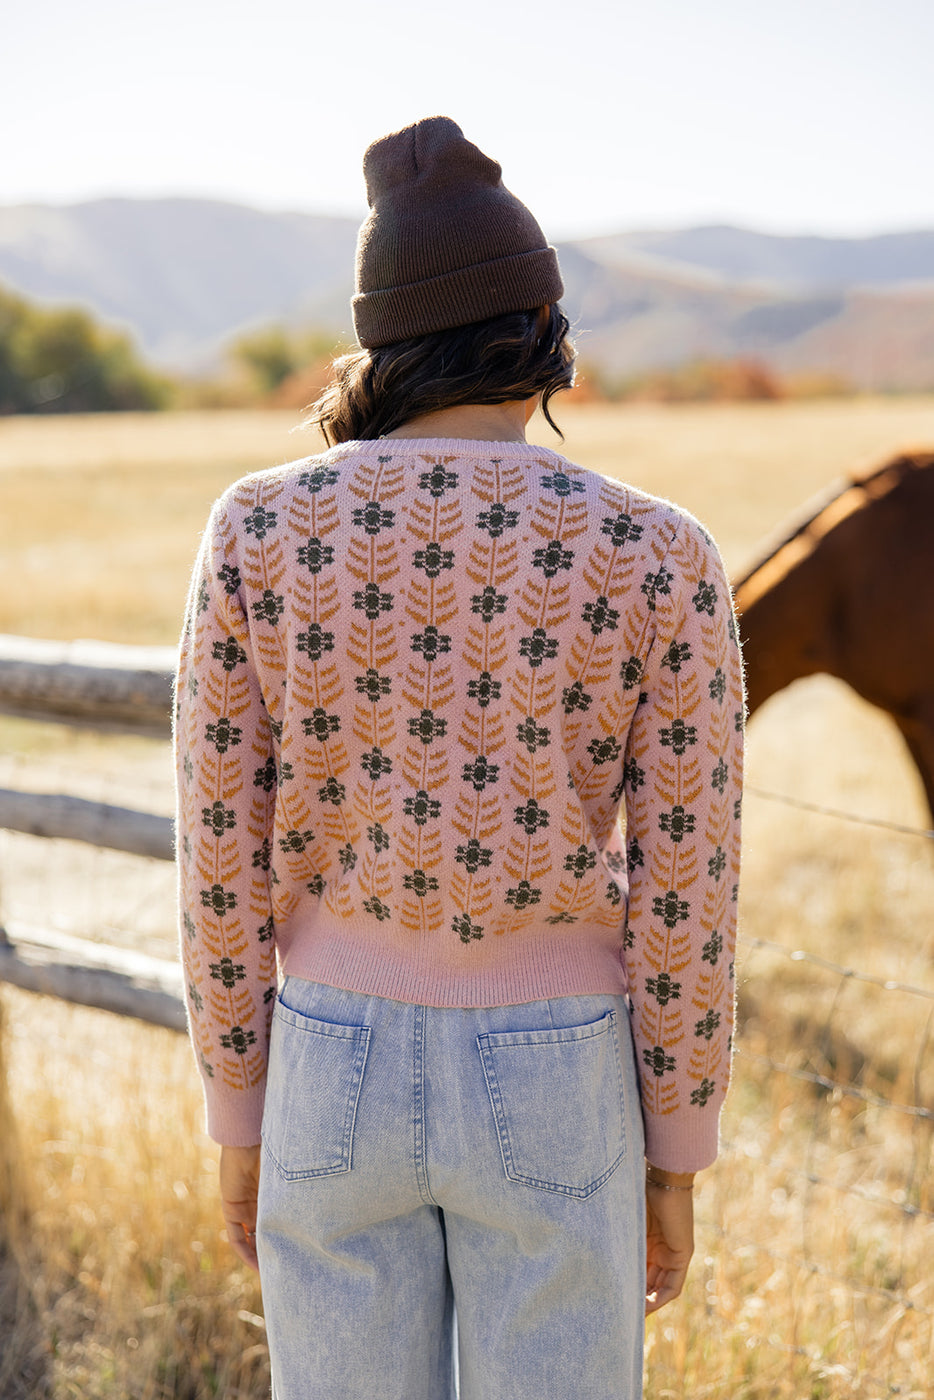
(815, 1229)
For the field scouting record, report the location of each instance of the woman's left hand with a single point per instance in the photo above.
(239, 1176)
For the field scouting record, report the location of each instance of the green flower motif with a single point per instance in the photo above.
(538, 648)
(719, 776)
(702, 1093)
(238, 1040)
(195, 997)
(738, 808)
(206, 1066)
(286, 773)
(321, 725)
(189, 925)
(333, 792)
(524, 896)
(431, 643)
(532, 817)
(562, 918)
(717, 685)
(219, 818)
(480, 772)
(269, 607)
(710, 953)
(315, 555)
(633, 775)
(419, 883)
(223, 735)
(375, 763)
(630, 673)
(658, 1062)
(678, 823)
(676, 656)
(465, 930)
(705, 599)
(553, 557)
(422, 808)
(484, 690)
(259, 522)
(438, 480)
(377, 908)
(373, 518)
(705, 1027)
(266, 932)
(615, 861)
(229, 576)
(488, 604)
(473, 856)
(653, 584)
(663, 989)
(561, 484)
(613, 894)
(532, 735)
(218, 900)
(427, 727)
(716, 864)
(620, 528)
(315, 641)
(601, 616)
(229, 653)
(433, 560)
(574, 697)
(605, 750)
(315, 885)
(372, 601)
(634, 855)
(296, 841)
(670, 909)
(497, 519)
(373, 685)
(378, 836)
(318, 478)
(262, 856)
(204, 598)
(580, 862)
(228, 972)
(679, 737)
(347, 857)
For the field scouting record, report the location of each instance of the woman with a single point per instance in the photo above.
(459, 744)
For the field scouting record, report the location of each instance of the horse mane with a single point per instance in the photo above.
(866, 487)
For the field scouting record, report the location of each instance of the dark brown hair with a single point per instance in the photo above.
(373, 392)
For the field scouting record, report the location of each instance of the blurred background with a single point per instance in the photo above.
(738, 193)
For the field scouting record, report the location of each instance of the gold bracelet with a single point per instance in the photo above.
(666, 1185)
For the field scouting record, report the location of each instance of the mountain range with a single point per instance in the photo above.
(185, 276)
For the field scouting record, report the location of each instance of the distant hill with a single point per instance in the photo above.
(186, 275)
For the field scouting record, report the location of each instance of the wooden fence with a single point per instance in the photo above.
(119, 689)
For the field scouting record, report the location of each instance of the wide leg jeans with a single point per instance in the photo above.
(420, 1160)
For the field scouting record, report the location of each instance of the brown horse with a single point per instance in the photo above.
(850, 591)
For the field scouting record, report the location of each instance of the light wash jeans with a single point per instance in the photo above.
(417, 1158)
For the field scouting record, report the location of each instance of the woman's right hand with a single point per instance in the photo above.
(669, 1243)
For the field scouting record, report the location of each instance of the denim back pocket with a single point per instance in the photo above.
(557, 1098)
(315, 1074)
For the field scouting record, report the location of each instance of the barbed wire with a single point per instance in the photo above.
(887, 984)
(803, 806)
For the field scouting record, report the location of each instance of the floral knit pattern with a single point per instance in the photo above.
(461, 723)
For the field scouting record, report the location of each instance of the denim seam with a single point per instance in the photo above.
(419, 1107)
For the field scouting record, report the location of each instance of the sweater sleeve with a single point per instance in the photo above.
(683, 785)
(226, 788)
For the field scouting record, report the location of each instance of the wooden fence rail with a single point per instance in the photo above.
(122, 689)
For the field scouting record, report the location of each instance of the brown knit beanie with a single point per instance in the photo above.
(445, 243)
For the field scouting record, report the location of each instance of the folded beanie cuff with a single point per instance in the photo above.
(519, 282)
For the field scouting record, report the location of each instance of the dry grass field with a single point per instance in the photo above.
(812, 1278)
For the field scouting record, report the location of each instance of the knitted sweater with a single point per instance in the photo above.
(460, 723)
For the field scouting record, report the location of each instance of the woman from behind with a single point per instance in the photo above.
(459, 743)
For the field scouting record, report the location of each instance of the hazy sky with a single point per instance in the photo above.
(799, 116)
